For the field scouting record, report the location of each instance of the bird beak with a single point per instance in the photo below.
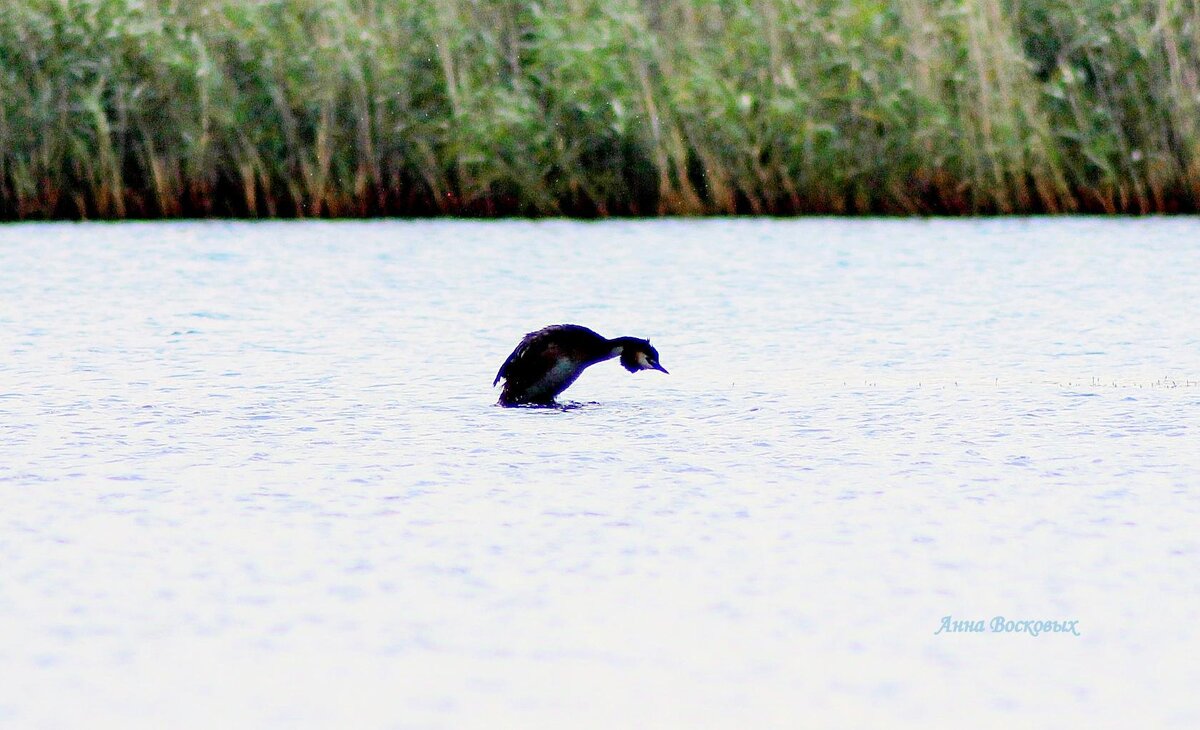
(659, 368)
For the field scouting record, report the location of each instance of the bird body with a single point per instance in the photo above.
(548, 361)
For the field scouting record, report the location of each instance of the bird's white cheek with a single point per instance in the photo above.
(643, 361)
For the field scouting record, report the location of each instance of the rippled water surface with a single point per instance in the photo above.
(253, 474)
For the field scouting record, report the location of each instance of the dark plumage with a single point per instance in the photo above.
(546, 362)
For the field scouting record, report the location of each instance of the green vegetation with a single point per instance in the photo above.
(146, 108)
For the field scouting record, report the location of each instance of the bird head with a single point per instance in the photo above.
(640, 355)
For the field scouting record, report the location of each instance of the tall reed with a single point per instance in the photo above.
(148, 108)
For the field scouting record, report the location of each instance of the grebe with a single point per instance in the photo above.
(546, 362)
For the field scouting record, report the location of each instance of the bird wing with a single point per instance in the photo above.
(538, 352)
(529, 361)
(503, 371)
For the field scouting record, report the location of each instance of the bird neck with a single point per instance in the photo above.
(617, 346)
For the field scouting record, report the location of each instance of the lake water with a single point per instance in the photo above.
(252, 474)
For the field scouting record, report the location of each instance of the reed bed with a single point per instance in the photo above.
(263, 108)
